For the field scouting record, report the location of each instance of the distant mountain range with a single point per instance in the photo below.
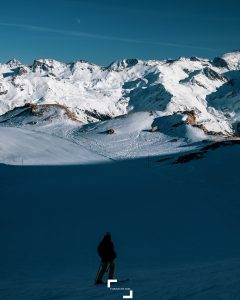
(209, 89)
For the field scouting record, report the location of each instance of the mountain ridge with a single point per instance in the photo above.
(210, 88)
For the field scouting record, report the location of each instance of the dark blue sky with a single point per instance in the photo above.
(105, 30)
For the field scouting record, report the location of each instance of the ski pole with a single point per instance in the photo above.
(98, 271)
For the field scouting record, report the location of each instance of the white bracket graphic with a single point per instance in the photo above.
(111, 281)
(130, 296)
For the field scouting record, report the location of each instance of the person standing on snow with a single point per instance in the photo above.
(107, 253)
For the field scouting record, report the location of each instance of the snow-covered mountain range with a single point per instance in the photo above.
(190, 99)
(210, 88)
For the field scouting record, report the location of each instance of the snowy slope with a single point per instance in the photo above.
(175, 228)
(140, 134)
(25, 147)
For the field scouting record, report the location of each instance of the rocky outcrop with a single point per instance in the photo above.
(213, 75)
(41, 65)
(111, 131)
(191, 117)
(201, 153)
(3, 91)
(219, 62)
(96, 115)
(34, 114)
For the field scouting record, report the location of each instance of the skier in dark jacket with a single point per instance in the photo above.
(107, 253)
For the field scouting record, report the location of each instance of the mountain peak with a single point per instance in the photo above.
(12, 63)
(46, 64)
(232, 59)
(123, 64)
